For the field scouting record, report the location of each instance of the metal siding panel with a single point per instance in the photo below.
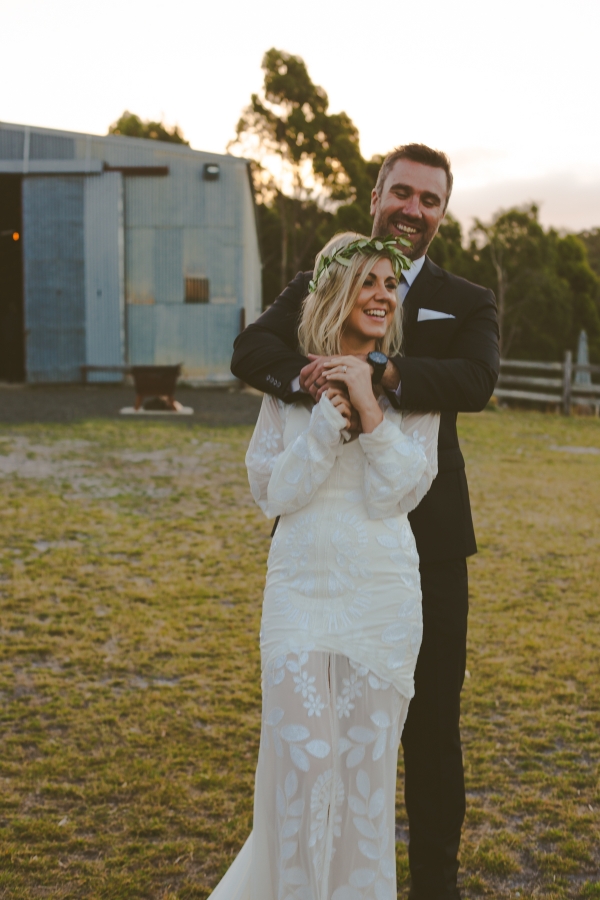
(181, 195)
(182, 198)
(12, 144)
(168, 265)
(177, 226)
(141, 335)
(223, 261)
(104, 282)
(221, 206)
(200, 336)
(51, 146)
(148, 202)
(139, 265)
(53, 257)
(190, 188)
(251, 294)
(166, 201)
(195, 252)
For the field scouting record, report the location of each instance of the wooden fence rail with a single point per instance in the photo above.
(569, 392)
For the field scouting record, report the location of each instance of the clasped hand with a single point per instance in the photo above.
(347, 382)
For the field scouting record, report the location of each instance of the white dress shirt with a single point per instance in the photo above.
(407, 278)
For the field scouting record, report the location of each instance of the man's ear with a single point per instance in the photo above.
(374, 199)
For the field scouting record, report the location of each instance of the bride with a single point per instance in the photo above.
(341, 623)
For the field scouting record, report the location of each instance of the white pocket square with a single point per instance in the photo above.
(426, 315)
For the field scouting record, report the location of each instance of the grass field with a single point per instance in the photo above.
(131, 569)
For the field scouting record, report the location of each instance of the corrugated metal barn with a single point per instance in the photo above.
(119, 251)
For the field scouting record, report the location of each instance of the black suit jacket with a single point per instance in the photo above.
(450, 365)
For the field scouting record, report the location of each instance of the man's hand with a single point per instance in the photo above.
(312, 378)
(391, 377)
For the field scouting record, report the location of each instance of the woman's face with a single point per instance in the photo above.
(375, 306)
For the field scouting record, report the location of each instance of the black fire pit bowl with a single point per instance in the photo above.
(155, 381)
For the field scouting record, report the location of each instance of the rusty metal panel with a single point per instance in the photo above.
(104, 278)
(54, 280)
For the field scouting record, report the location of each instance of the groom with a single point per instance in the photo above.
(451, 364)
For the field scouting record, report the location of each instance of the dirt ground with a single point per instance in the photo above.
(72, 403)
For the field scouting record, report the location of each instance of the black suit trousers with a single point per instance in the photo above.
(434, 778)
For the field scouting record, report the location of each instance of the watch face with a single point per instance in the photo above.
(380, 359)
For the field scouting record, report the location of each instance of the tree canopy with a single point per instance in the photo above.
(545, 287)
(591, 239)
(312, 181)
(307, 167)
(130, 125)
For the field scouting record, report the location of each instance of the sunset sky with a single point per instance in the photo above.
(510, 90)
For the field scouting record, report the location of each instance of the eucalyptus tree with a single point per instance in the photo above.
(545, 288)
(308, 162)
(130, 125)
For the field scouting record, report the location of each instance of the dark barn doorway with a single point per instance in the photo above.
(12, 327)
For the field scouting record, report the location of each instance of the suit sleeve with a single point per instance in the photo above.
(465, 380)
(265, 354)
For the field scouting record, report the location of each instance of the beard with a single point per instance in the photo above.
(419, 242)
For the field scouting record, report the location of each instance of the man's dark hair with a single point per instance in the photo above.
(419, 153)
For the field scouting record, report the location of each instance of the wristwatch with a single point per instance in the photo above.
(378, 361)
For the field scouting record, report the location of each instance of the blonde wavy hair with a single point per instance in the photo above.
(326, 310)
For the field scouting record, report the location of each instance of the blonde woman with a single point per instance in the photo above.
(341, 624)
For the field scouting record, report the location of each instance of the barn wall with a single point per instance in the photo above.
(183, 226)
(105, 277)
(104, 280)
(54, 277)
(200, 335)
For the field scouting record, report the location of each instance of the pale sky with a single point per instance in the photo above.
(509, 89)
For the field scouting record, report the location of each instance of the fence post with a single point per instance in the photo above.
(567, 375)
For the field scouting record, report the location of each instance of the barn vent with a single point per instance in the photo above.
(197, 290)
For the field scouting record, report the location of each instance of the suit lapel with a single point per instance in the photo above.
(426, 284)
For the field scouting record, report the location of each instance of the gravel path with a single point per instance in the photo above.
(69, 403)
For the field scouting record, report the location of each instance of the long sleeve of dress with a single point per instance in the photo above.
(401, 463)
(284, 480)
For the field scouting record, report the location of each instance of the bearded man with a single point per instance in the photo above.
(451, 365)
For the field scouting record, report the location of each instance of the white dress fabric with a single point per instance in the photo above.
(341, 630)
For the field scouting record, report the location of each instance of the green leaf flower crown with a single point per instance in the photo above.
(387, 245)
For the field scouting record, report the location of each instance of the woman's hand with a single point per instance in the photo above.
(334, 389)
(355, 373)
(339, 398)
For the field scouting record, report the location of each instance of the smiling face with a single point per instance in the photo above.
(411, 204)
(374, 310)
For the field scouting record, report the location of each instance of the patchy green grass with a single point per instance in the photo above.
(131, 570)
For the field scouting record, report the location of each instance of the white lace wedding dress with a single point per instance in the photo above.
(341, 630)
